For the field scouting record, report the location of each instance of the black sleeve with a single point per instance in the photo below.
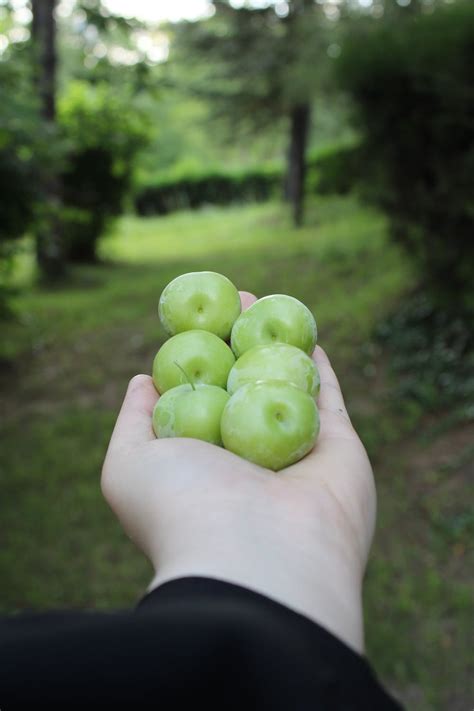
(191, 643)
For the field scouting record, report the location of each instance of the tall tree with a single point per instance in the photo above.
(296, 170)
(49, 248)
(259, 68)
(299, 108)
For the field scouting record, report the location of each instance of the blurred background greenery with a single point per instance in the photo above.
(320, 148)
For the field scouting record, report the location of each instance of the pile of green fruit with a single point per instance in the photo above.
(256, 396)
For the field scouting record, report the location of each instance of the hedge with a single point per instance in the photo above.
(333, 170)
(216, 188)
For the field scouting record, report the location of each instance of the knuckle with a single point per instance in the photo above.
(105, 480)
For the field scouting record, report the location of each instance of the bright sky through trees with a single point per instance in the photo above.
(175, 10)
(156, 11)
(149, 10)
(160, 10)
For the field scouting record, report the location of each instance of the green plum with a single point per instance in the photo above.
(274, 319)
(191, 411)
(200, 300)
(279, 361)
(202, 356)
(272, 423)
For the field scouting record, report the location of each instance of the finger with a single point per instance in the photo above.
(247, 299)
(133, 426)
(335, 425)
(330, 395)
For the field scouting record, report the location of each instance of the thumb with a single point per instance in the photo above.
(134, 423)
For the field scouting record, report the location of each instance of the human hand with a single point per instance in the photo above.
(300, 536)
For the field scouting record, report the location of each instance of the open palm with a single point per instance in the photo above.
(300, 536)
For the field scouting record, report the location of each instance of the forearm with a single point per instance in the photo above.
(320, 582)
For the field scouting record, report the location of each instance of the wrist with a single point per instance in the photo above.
(316, 583)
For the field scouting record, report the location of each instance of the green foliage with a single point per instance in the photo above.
(335, 169)
(88, 36)
(22, 148)
(20, 138)
(252, 63)
(18, 172)
(412, 83)
(185, 138)
(212, 188)
(431, 356)
(260, 68)
(331, 170)
(104, 136)
(95, 117)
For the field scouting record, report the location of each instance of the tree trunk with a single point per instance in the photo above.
(299, 125)
(49, 248)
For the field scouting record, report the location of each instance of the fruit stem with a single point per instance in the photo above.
(185, 375)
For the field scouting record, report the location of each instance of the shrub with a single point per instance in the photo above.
(104, 135)
(412, 85)
(194, 190)
(334, 169)
(22, 147)
(430, 355)
(19, 142)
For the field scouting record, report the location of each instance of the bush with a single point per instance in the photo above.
(104, 135)
(19, 143)
(217, 188)
(430, 355)
(335, 169)
(332, 170)
(22, 147)
(412, 85)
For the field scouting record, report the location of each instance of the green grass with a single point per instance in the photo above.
(66, 361)
(418, 594)
(335, 256)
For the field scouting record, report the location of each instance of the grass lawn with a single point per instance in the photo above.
(64, 366)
